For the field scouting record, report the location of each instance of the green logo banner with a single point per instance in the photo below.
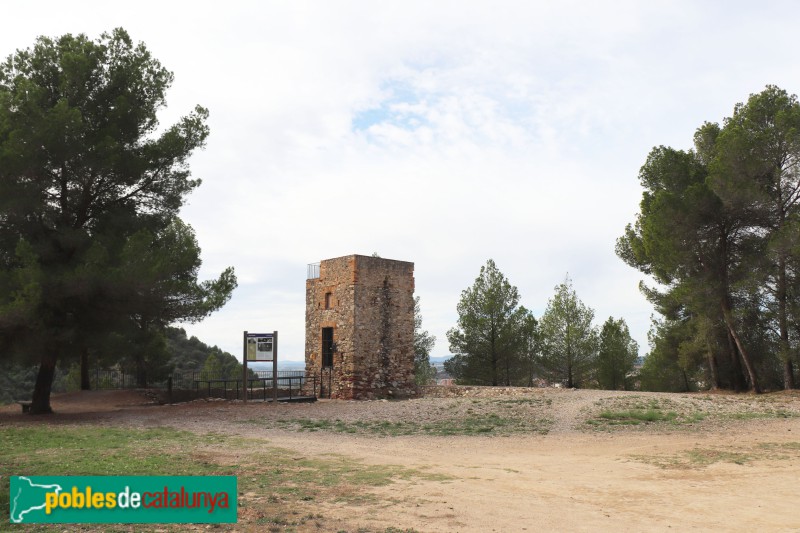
(123, 499)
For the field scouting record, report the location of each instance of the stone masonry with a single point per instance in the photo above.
(365, 305)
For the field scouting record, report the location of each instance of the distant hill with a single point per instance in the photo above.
(442, 359)
(189, 354)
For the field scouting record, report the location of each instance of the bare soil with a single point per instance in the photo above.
(563, 460)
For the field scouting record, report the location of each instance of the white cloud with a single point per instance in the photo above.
(443, 133)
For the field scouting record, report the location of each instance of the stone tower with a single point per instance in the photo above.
(360, 327)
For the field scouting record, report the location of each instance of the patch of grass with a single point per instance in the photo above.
(314, 425)
(754, 415)
(703, 457)
(779, 451)
(636, 410)
(696, 416)
(99, 451)
(794, 446)
(636, 416)
(470, 424)
(696, 458)
(274, 484)
(525, 401)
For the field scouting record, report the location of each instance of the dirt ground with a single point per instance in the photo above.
(722, 461)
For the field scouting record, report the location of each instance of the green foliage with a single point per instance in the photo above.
(569, 341)
(162, 269)
(531, 350)
(187, 354)
(617, 355)
(757, 171)
(191, 354)
(718, 230)
(182, 355)
(424, 372)
(90, 190)
(72, 381)
(487, 343)
(16, 381)
(682, 236)
(219, 366)
(663, 369)
(141, 352)
(212, 369)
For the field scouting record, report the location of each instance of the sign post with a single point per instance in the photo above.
(261, 347)
(244, 367)
(275, 368)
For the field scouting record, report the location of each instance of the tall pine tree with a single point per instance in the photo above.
(84, 169)
(487, 343)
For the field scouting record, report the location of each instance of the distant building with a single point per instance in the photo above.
(360, 328)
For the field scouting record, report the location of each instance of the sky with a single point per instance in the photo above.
(444, 133)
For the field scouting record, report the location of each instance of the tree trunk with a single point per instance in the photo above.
(686, 386)
(783, 325)
(508, 371)
(788, 374)
(530, 372)
(85, 384)
(751, 371)
(613, 369)
(495, 361)
(738, 381)
(712, 367)
(44, 383)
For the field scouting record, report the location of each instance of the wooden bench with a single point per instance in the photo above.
(26, 405)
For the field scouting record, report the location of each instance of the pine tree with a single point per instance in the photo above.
(569, 341)
(487, 344)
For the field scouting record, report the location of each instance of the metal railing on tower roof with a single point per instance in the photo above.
(312, 271)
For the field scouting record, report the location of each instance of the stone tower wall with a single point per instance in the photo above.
(336, 277)
(384, 333)
(371, 308)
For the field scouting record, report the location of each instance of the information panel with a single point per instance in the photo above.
(260, 347)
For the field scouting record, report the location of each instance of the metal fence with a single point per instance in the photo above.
(312, 271)
(259, 383)
(115, 379)
(320, 385)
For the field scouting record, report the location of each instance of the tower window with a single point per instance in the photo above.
(327, 300)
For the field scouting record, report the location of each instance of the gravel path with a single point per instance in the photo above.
(511, 459)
